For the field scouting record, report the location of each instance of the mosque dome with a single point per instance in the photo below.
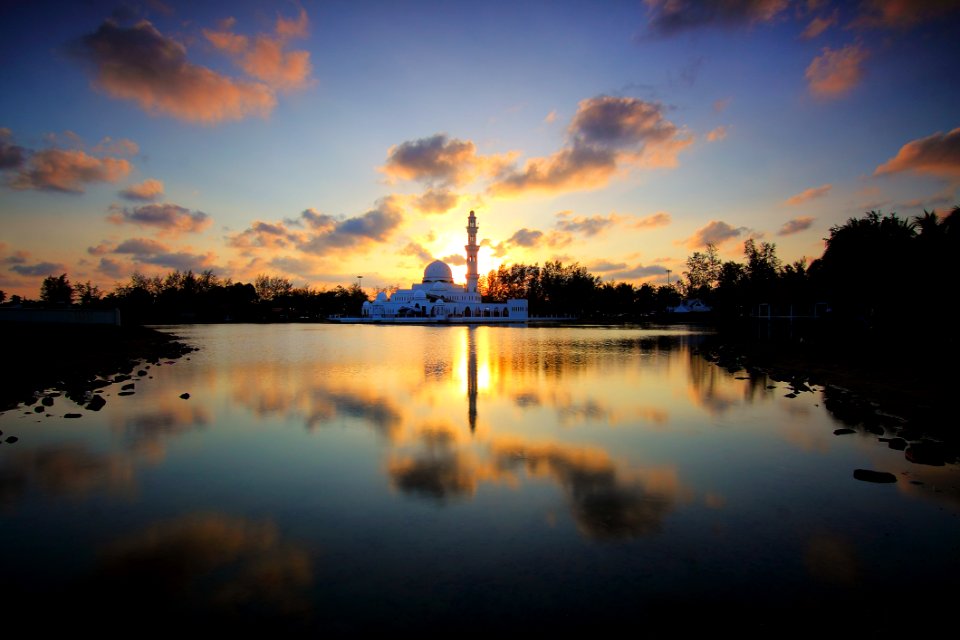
(437, 271)
(419, 294)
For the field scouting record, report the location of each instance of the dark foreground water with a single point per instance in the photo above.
(336, 479)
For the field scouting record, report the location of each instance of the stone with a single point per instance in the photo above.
(47, 401)
(127, 387)
(39, 409)
(11, 439)
(185, 396)
(927, 452)
(897, 443)
(141, 373)
(868, 475)
(126, 393)
(73, 415)
(96, 403)
(842, 432)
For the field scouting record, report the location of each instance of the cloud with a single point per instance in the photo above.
(39, 269)
(583, 225)
(169, 218)
(836, 71)
(606, 132)
(123, 146)
(714, 232)
(376, 225)
(668, 17)
(417, 250)
(11, 155)
(658, 219)
(809, 194)
(439, 160)
(436, 201)
(180, 260)
(937, 154)
(18, 257)
(717, 134)
(551, 117)
(67, 171)
(141, 247)
(138, 63)
(901, 14)
(603, 266)
(146, 191)
(112, 268)
(818, 25)
(455, 259)
(639, 272)
(266, 235)
(795, 226)
(264, 57)
(526, 238)
(721, 105)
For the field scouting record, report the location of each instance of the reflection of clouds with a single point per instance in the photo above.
(604, 502)
(830, 558)
(204, 560)
(439, 469)
(379, 412)
(67, 470)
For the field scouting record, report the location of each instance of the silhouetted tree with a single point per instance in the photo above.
(56, 290)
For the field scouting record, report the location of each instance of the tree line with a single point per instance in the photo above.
(877, 272)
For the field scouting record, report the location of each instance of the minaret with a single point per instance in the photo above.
(472, 249)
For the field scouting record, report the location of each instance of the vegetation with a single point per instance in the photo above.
(878, 273)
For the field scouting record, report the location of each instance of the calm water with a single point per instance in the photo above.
(343, 478)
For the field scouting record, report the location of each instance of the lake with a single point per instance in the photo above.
(350, 478)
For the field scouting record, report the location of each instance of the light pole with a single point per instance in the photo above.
(359, 282)
(668, 277)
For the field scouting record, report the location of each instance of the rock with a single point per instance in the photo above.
(931, 453)
(126, 393)
(185, 396)
(842, 432)
(790, 395)
(868, 475)
(771, 386)
(96, 403)
(897, 443)
(128, 387)
(47, 401)
(73, 415)
(141, 373)
(11, 439)
(121, 378)
(39, 409)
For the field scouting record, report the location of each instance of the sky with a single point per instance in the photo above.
(323, 141)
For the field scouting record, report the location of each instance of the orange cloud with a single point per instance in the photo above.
(717, 134)
(795, 226)
(169, 218)
(714, 232)
(123, 146)
(265, 59)
(809, 194)
(818, 25)
(668, 17)
(937, 154)
(835, 72)
(440, 160)
(140, 64)
(146, 191)
(900, 14)
(67, 171)
(658, 219)
(436, 201)
(606, 133)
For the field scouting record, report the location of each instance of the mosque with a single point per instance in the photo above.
(439, 299)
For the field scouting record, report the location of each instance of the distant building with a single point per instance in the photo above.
(438, 299)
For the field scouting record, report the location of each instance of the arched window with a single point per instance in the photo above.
(466, 312)
(506, 312)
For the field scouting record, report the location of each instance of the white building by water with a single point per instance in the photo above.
(438, 299)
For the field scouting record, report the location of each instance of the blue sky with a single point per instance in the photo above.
(325, 140)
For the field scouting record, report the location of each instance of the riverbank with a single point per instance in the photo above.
(72, 358)
(863, 381)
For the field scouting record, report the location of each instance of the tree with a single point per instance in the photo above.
(87, 293)
(703, 271)
(272, 287)
(56, 290)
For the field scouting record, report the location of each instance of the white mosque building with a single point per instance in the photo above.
(439, 299)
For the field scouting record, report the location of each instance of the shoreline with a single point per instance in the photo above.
(76, 359)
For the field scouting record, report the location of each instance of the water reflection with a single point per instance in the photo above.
(401, 474)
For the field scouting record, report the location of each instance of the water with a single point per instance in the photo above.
(350, 478)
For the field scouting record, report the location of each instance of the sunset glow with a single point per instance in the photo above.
(322, 141)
